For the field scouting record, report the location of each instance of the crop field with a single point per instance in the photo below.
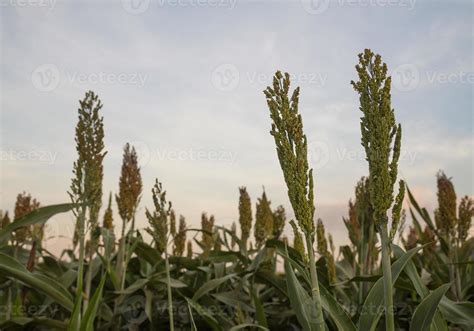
(393, 275)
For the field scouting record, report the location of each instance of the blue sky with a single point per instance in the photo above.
(182, 80)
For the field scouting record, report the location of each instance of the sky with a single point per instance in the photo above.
(182, 81)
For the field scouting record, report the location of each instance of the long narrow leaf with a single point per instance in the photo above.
(373, 305)
(425, 311)
(48, 286)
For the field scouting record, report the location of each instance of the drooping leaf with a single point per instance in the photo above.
(210, 285)
(87, 322)
(48, 286)
(425, 311)
(373, 306)
(38, 216)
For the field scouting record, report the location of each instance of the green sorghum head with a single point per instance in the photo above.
(292, 149)
(381, 136)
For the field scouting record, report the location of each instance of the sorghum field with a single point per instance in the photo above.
(248, 276)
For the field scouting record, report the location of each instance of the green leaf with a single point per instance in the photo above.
(210, 285)
(48, 286)
(174, 283)
(460, 313)
(373, 305)
(259, 311)
(38, 216)
(87, 323)
(335, 310)
(439, 323)
(301, 302)
(191, 317)
(204, 314)
(425, 311)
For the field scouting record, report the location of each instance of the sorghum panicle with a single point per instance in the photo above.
(108, 221)
(245, 214)
(180, 238)
(445, 215)
(466, 212)
(158, 219)
(130, 184)
(292, 150)
(381, 136)
(279, 220)
(263, 220)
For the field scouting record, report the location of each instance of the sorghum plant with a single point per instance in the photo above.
(189, 249)
(324, 251)
(24, 205)
(130, 189)
(446, 223)
(108, 221)
(207, 227)
(263, 220)
(279, 220)
(292, 150)
(158, 219)
(298, 244)
(465, 213)
(86, 186)
(180, 238)
(172, 223)
(381, 139)
(245, 215)
(233, 230)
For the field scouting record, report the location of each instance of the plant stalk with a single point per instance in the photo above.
(387, 278)
(362, 260)
(315, 285)
(457, 273)
(80, 272)
(170, 293)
